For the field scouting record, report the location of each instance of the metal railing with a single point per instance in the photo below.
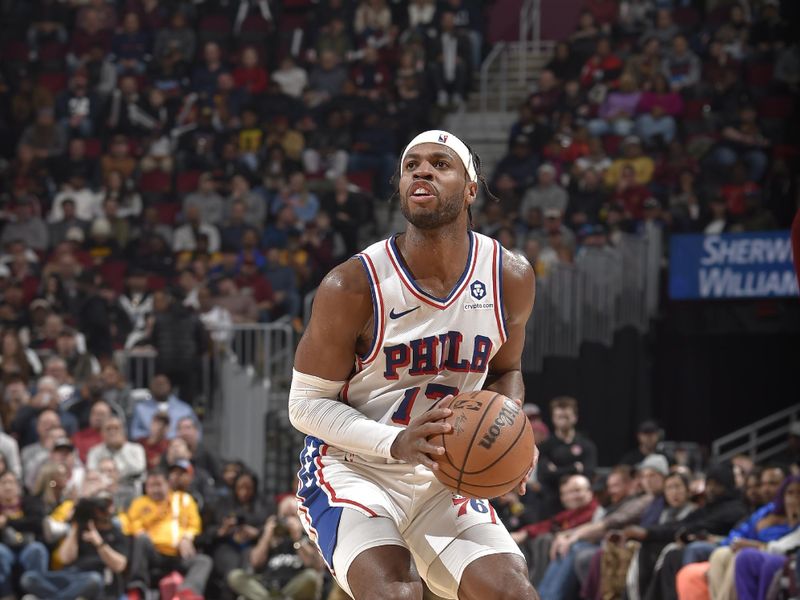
(530, 30)
(760, 440)
(604, 290)
(500, 51)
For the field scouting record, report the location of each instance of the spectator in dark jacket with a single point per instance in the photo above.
(565, 452)
(722, 510)
(180, 339)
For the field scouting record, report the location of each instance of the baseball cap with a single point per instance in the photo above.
(63, 442)
(648, 426)
(182, 464)
(656, 462)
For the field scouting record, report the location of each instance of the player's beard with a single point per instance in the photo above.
(442, 212)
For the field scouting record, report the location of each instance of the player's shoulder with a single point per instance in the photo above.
(517, 270)
(347, 279)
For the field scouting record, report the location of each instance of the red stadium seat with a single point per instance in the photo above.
(215, 24)
(362, 179)
(187, 181)
(612, 143)
(776, 107)
(759, 75)
(53, 82)
(155, 181)
(168, 212)
(16, 51)
(156, 282)
(255, 23)
(693, 108)
(94, 148)
(686, 17)
(113, 274)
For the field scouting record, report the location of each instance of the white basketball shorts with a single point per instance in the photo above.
(349, 504)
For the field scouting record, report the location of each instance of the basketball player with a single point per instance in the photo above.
(426, 314)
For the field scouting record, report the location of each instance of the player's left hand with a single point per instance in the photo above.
(522, 488)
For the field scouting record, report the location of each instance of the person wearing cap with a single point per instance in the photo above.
(63, 453)
(547, 193)
(648, 437)
(540, 429)
(165, 524)
(437, 182)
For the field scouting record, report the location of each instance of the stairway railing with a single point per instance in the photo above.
(499, 52)
(760, 440)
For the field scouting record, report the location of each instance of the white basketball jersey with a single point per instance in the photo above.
(424, 347)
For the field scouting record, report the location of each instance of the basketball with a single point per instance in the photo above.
(490, 447)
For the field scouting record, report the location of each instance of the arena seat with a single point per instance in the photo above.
(186, 181)
(168, 212)
(155, 181)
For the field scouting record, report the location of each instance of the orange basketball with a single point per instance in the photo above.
(490, 448)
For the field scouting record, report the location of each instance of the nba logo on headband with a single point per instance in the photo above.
(445, 138)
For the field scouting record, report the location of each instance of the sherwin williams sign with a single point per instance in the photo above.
(731, 265)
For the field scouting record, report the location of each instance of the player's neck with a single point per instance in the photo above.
(441, 251)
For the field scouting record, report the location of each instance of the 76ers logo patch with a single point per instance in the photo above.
(479, 506)
(477, 289)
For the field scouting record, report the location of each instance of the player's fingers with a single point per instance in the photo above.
(444, 401)
(424, 446)
(518, 401)
(429, 429)
(435, 414)
(426, 460)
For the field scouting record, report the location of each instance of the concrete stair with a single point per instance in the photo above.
(487, 132)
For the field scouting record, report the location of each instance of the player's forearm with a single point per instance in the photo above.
(314, 411)
(508, 383)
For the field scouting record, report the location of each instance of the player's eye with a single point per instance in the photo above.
(441, 164)
(410, 165)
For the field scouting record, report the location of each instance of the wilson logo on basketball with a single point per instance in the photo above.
(504, 418)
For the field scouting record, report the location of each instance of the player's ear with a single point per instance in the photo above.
(471, 192)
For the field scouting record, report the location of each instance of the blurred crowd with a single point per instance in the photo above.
(663, 523)
(670, 115)
(167, 168)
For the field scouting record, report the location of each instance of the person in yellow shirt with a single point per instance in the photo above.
(632, 154)
(164, 524)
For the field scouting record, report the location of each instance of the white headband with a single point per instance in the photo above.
(435, 136)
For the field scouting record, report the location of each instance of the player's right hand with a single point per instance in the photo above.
(412, 446)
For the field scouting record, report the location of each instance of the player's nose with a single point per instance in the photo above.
(423, 171)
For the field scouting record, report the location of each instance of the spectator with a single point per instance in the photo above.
(156, 442)
(618, 109)
(165, 524)
(657, 110)
(664, 30)
(236, 525)
(131, 46)
(51, 485)
(372, 18)
(603, 67)
(648, 436)
(632, 155)
(242, 307)
(206, 199)
(20, 524)
(145, 410)
(540, 429)
(560, 579)
(91, 435)
(743, 140)
(178, 40)
(291, 79)
(25, 226)
(90, 547)
(564, 65)
(128, 456)
(188, 236)
(327, 78)
(283, 559)
(722, 509)
(251, 76)
(547, 193)
(255, 206)
(44, 136)
(9, 454)
(201, 456)
(450, 54)
(681, 66)
(565, 452)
